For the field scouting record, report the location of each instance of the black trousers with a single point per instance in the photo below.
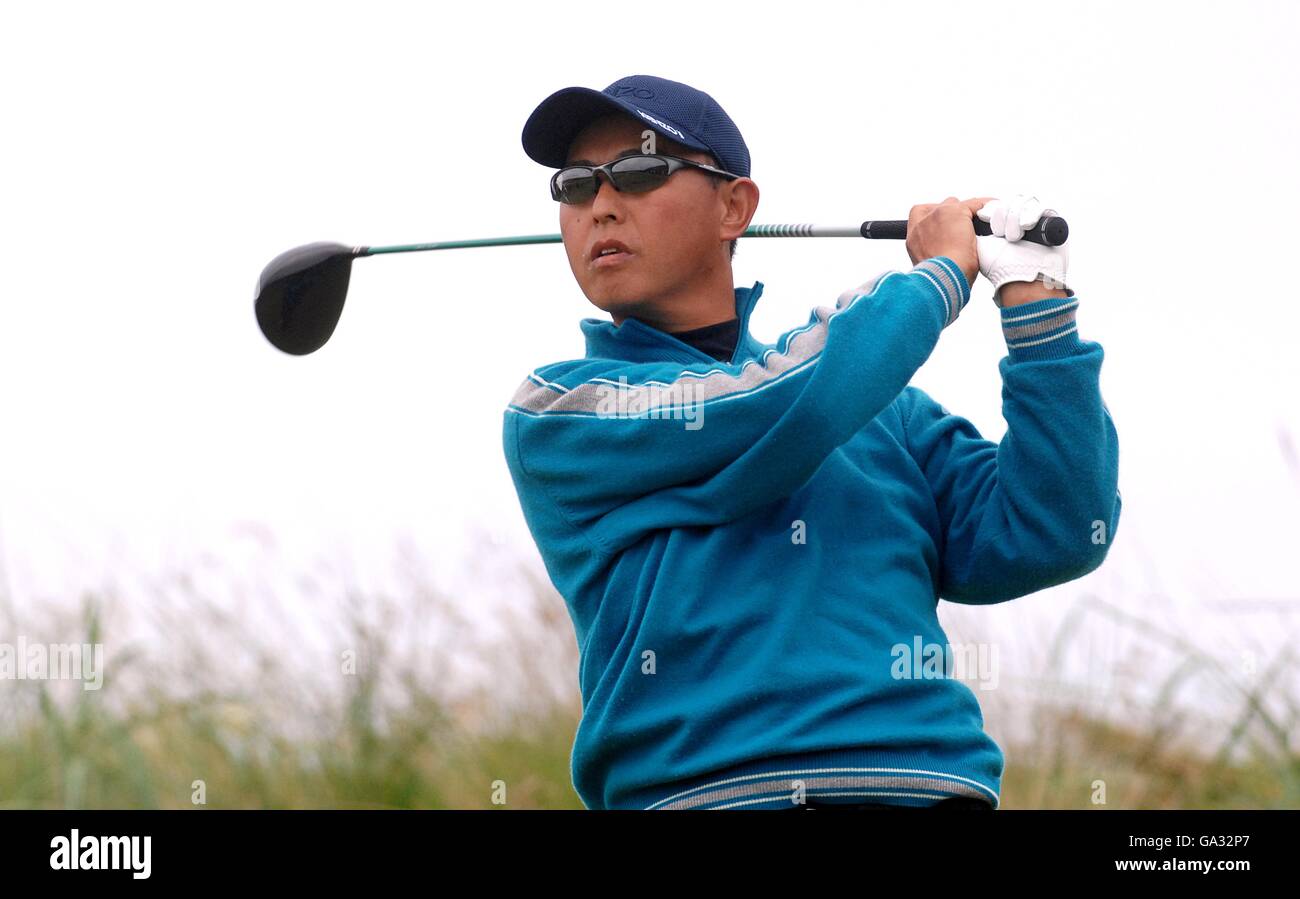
(950, 804)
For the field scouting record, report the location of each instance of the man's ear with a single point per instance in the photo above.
(740, 197)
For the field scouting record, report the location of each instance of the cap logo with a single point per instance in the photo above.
(641, 93)
(664, 125)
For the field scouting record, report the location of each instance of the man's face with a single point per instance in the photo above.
(671, 233)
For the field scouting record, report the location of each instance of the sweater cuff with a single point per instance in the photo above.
(949, 281)
(1041, 329)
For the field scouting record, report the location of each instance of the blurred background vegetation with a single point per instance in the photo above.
(265, 725)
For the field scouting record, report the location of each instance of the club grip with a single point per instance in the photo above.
(1050, 230)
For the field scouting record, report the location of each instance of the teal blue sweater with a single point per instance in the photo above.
(750, 550)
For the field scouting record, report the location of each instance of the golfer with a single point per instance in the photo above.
(752, 539)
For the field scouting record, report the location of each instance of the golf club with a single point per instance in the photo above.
(300, 293)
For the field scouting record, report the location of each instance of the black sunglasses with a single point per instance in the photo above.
(633, 174)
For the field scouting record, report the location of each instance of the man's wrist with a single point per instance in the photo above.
(1017, 293)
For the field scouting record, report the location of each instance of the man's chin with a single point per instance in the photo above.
(618, 306)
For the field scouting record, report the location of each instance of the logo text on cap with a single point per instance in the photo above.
(649, 118)
(641, 93)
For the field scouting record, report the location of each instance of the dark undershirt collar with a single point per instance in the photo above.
(718, 341)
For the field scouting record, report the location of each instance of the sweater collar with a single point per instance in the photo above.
(636, 341)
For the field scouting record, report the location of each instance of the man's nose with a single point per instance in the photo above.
(604, 188)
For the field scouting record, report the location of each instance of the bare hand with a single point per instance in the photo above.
(946, 229)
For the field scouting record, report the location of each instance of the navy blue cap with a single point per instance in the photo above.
(689, 116)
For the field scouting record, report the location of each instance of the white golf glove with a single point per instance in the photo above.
(1005, 257)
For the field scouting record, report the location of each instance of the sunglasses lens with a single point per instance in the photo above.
(637, 174)
(575, 185)
(633, 174)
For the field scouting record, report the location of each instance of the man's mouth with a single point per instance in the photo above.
(610, 258)
(608, 253)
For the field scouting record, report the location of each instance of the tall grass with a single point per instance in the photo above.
(264, 728)
(1164, 747)
(211, 698)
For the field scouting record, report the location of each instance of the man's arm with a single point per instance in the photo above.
(1041, 507)
(765, 426)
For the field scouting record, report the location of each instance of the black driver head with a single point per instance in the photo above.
(300, 295)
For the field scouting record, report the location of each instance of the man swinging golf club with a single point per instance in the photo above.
(751, 539)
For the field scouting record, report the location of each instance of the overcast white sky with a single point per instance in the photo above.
(156, 156)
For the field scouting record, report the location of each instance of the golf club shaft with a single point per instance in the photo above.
(301, 292)
(755, 231)
(1049, 231)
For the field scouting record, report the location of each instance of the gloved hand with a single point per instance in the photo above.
(1005, 257)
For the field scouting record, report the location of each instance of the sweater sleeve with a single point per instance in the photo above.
(621, 448)
(1041, 507)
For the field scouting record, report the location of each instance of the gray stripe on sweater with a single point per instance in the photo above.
(692, 387)
(784, 782)
(1042, 326)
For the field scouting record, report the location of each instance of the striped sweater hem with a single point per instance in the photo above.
(1042, 329)
(857, 775)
